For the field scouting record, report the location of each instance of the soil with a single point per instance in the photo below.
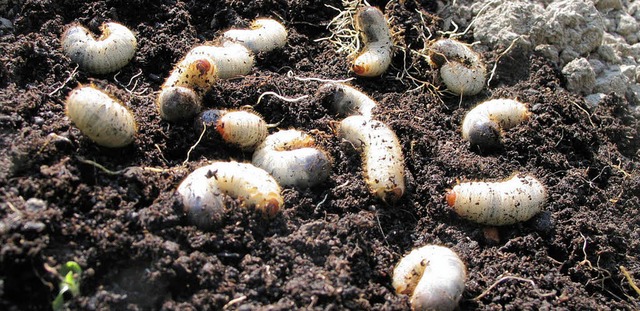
(334, 246)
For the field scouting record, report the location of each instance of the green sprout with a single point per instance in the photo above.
(69, 274)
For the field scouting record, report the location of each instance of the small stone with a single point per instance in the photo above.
(627, 25)
(580, 76)
(35, 204)
(36, 226)
(594, 99)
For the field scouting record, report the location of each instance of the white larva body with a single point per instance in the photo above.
(376, 36)
(293, 159)
(498, 203)
(112, 51)
(433, 276)
(461, 69)
(347, 100)
(201, 192)
(180, 96)
(264, 35)
(483, 124)
(241, 128)
(101, 117)
(381, 155)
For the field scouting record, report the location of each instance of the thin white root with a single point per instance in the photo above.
(495, 65)
(73, 73)
(289, 100)
(506, 277)
(304, 79)
(204, 129)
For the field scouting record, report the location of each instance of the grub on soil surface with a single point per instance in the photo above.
(334, 246)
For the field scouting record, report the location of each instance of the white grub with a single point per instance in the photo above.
(264, 35)
(202, 192)
(180, 97)
(376, 36)
(345, 99)
(293, 159)
(382, 158)
(101, 117)
(461, 69)
(110, 52)
(244, 129)
(498, 203)
(483, 125)
(433, 276)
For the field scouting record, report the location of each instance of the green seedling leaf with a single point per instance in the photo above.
(70, 274)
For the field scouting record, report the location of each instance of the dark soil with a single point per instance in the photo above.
(334, 246)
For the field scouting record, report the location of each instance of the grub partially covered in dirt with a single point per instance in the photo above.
(334, 245)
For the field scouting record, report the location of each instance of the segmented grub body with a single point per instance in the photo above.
(346, 100)
(264, 35)
(498, 203)
(433, 276)
(376, 36)
(110, 52)
(202, 192)
(240, 128)
(181, 94)
(381, 155)
(483, 125)
(461, 69)
(101, 117)
(293, 159)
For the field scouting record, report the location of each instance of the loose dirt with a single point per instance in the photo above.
(334, 246)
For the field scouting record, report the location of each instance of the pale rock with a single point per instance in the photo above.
(627, 25)
(629, 71)
(570, 23)
(580, 76)
(597, 65)
(549, 51)
(611, 80)
(594, 99)
(568, 55)
(633, 93)
(608, 53)
(607, 5)
(503, 21)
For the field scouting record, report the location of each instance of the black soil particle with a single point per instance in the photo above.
(334, 246)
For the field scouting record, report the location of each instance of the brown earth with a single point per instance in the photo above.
(334, 246)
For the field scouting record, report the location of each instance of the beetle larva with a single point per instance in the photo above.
(433, 276)
(112, 51)
(376, 36)
(264, 35)
(381, 155)
(241, 128)
(482, 126)
(498, 203)
(461, 69)
(101, 117)
(181, 94)
(201, 192)
(292, 158)
(345, 99)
